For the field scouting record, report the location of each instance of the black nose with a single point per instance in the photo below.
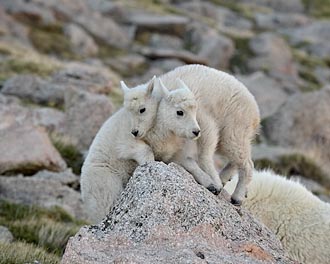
(196, 132)
(135, 132)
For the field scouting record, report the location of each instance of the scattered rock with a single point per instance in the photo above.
(85, 113)
(167, 64)
(13, 113)
(202, 8)
(11, 29)
(267, 91)
(169, 24)
(44, 192)
(91, 78)
(182, 55)
(216, 49)
(292, 6)
(303, 122)
(230, 19)
(164, 216)
(128, 65)
(34, 89)
(208, 44)
(5, 235)
(103, 28)
(27, 149)
(277, 20)
(28, 11)
(51, 119)
(273, 55)
(82, 43)
(322, 75)
(314, 37)
(164, 41)
(65, 177)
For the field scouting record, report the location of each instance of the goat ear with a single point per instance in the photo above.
(151, 85)
(165, 92)
(182, 84)
(124, 87)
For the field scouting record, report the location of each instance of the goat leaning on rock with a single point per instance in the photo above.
(228, 116)
(115, 153)
(299, 219)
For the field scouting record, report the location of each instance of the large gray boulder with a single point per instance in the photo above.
(27, 149)
(273, 55)
(303, 122)
(269, 93)
(13, 113)
(45, 189)
(81, 42)
(164, 216)
(33, 88)
(85, 114)
(314, 37)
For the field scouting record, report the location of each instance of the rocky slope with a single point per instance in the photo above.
(61, 62)
(164, 216)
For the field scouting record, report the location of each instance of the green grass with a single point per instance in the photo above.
(50, 39)
(318, 8)
(22, 252)
(294, 164)
(72, 156)
(21, 60)
(241, 56)
(306, 70)
(48, 229)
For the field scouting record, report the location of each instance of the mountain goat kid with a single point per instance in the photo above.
(229, 119)
(115, 151)
(174, 125)
(299, 219)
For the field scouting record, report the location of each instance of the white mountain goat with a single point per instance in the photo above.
(174, 125)
(228, 116)
(299, 219)
(115, 152)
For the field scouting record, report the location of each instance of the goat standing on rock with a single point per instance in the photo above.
(116, 150)
(228, 116)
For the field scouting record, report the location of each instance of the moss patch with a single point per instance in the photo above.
(308, 64)
(69, 152)
(50, 39)
(21, 60)
(239, 61)
(49, 229)
(294, 164)
(318, 8)
(21, 252)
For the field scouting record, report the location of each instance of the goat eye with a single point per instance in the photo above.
(142, 110)
(179, 113)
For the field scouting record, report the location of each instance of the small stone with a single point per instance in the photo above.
(5, 235)
(82, 43)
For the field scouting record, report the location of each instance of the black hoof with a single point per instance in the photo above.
(236, 202)
(213, 190)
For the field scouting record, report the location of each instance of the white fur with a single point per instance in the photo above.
(229, 118)
(299, 219)
(170, 133)
(115, 153)
(112, 158)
